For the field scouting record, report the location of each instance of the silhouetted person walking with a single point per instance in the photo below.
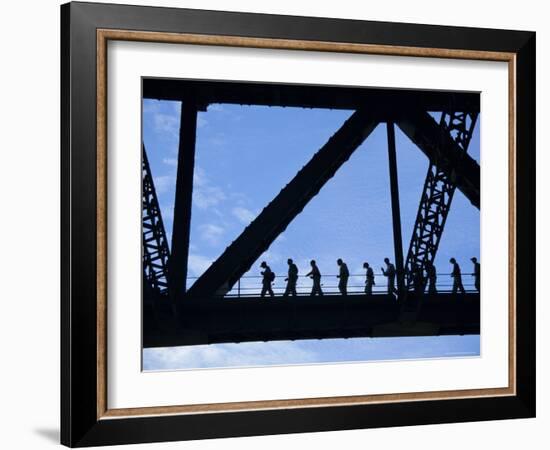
(369, 282)
(315, 275)
(292, 279)
(390, 273)
(343, 275)
(457, 277)
(267, 278)
(432, 277)
(476, 274)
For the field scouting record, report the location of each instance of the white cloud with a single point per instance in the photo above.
(271, 257)
(197, 264)
(151, 106)
(167, 214)
(199, 177)
(216, 107)
(177, 107)
(205, 194)
(238, 197)
(211, 233)
(201, 121)
(172, 162)
(217, 141)
(206, 197)
(166, 124)
(227, 355)
(243, 214)
(163, 183)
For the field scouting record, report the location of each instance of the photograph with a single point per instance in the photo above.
(287, 224)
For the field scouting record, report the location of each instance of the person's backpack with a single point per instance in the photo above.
(271, 276)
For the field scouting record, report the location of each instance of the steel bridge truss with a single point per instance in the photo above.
(444, 143)
(439, 187)
(200, 314)
(155, 253)
(437, 195)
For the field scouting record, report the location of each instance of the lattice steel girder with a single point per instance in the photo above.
(437, 196)
(155, 252)
(443, 151)
(238, 257)
(430, 221)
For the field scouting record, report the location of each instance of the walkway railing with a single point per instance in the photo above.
(251, 286)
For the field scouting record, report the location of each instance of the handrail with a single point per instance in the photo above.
(251, 285)
(376, 274)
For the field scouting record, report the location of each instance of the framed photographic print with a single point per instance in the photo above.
(278, 224)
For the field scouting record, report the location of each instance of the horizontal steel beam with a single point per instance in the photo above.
(210, 321)
(307, 96)
(460, 168)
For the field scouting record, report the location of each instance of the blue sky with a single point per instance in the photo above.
(244, 156)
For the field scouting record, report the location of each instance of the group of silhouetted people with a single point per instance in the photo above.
(418, 278)
(292, 278)
(457, 275)
(419, 281)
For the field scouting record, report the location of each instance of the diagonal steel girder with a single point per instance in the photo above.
(155, 252)
(238, 257)
(444, 152)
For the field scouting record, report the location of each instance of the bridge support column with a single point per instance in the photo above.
(182, 205)
(396, 211)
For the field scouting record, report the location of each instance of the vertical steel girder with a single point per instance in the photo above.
(155, 253)
(183, 199)
(437, 195)
(396, 210)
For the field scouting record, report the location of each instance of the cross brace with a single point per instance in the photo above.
(438, 144)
